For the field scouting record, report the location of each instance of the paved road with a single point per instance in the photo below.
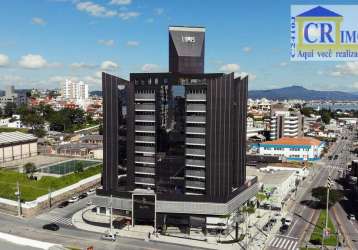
(69, 235)
(303, 210)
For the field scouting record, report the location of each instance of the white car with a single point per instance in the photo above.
(351, 217)
(109, 236)
(73, 199)
(91, 191)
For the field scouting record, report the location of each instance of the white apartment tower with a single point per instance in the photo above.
(285, 122)
(77, 91)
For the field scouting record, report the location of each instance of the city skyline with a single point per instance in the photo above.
(51, 40)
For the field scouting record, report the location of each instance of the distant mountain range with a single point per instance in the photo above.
(299, 92)
(293, 92)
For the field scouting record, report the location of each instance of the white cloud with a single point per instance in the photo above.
(9, 79)
(283, 64)
(149, 67)
(109, 65)
(108, 43)
(247, 49)
(82, 65)
(132, 43)
(31, 61)
(231, 67)
(159, 11)
(94, 9)
(4, 60)
(38, 21)
(349, 68)
(121, 2)
(128, 15)
(252, 77)
(355, 85)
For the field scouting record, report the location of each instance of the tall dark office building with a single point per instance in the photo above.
(175, 143)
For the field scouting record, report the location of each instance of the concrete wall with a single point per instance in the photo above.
(20, 151)
(36, 207)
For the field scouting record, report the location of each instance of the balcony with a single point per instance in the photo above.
(195, 141)
(145, 129)
(195, 152)
(145, 181)
(145, 139)
(195, 163)
(144, 160)
(144, 118)
(196, 108)
(144, 97)
(145, 107)
(195, 119)
(195, 130)
(144, 170)
(145, 150)
(195, 184)
(196, 97)
(195, 173)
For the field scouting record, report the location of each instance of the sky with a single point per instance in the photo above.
(44, 42)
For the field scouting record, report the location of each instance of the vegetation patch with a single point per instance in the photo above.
(31, 189)
(316, 236)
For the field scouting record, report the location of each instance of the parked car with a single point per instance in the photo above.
(91, 191)
(284, 228)
(51, 226)
(351, 217)
(267, 226)
(286, 221)
(83, 195)
(273, 220)
(109, 236)
(73, 199)
(63, 204)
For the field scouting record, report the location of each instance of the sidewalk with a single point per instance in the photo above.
(141, 232)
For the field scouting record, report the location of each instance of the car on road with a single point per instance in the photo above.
(284, 228)
(109, 236)
(73, 199)
(351, 217)
(91, 191)
(63, 204)
(83, 195)
(273, 220)
(330, 157)
(51, 226)
(286, 221)
(335, 157)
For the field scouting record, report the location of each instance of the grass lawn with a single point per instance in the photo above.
(5, 129)
(316, 236)
(31, 189)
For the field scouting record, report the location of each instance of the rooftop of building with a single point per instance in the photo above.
(300, 141)
(15, 137)
(270, 177)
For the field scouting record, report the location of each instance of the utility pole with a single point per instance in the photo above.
(49, 197)
(17, 193)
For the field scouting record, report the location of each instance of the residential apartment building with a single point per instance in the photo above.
(177, 151)
(12, 97)
(285, 122)
(77, 91)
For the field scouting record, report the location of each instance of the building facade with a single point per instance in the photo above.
(175, 143)
(12, 97)
(294, 149)
(77, 91)
(285, 122)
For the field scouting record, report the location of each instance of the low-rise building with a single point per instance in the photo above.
(17, 145)
(294, 149)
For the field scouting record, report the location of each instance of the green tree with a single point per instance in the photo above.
(320, 193)
(29, 168)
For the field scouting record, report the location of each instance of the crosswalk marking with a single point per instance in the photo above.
(284, 242)
(56, 219)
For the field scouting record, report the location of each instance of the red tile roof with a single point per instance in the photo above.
(294, 141)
